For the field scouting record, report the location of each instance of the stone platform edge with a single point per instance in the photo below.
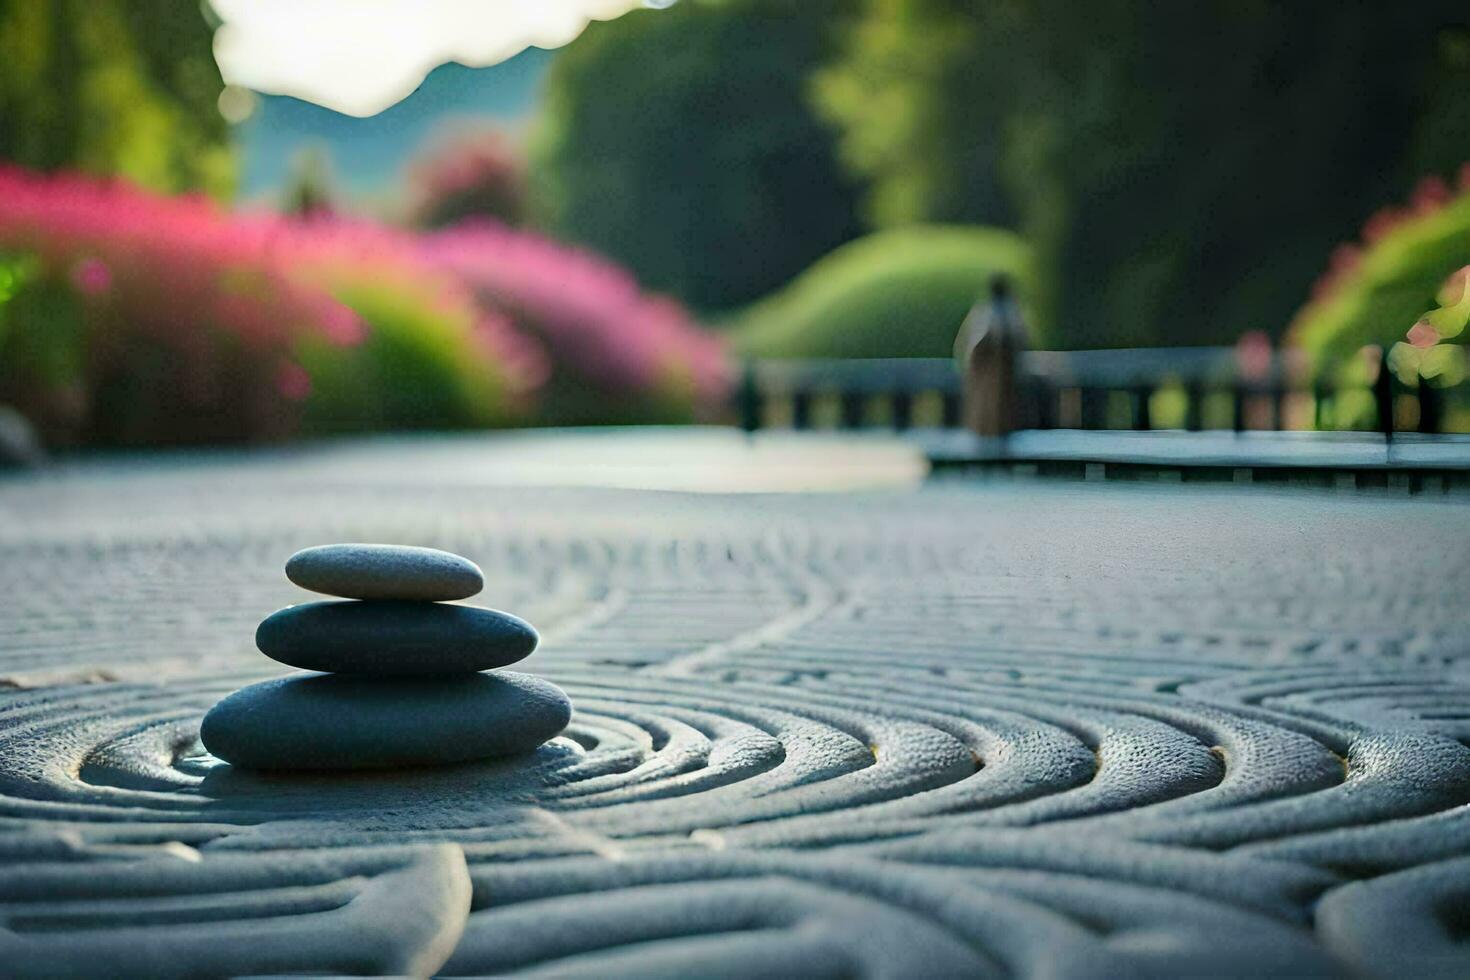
(1409, 462)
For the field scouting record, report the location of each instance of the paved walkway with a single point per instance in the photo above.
(951, 729)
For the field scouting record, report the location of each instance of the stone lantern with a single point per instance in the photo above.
(988, 351)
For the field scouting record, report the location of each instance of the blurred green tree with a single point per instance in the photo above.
(125, 87)
(1181, 169)
(681, 143)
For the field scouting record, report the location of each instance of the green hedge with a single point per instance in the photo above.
(900, 293)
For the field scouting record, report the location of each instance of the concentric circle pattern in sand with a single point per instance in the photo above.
(989, 730)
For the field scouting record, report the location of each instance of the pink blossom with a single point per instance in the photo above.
(1431, 194)
(183, 272)
(1253, 354)
(473, 160)
(91, 276)
(1383, 221)
(594, 320)
(1423, 334)
(292, 381)
(1455, 288)
(342, 326)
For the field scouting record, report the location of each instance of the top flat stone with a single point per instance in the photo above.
(384, 571)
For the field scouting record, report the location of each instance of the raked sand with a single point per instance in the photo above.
(1033, 729)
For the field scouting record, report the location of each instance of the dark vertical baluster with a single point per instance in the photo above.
(1431, 408)
(852, 409)
(903, 410)
(1046, 403)
(1237, 406)
(749, 399)
(1142, 413)
(801, 409)
(1278, 406)
(951, 410)
(1028, 389)
(1093, 404)
(1194, 406)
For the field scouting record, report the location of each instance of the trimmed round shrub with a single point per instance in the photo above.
(900, 293)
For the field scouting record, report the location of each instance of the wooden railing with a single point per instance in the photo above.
(1098, 389)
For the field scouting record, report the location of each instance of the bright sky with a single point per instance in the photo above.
(361, 56)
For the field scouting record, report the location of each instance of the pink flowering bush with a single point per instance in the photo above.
(475, 175)
(127, 319)
(136, 318)
(432, 355)
(1429, 350)
(1376, 290)
(614, 352)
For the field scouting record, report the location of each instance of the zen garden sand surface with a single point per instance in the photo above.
(960, 729)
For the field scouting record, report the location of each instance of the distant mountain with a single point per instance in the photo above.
(368, 154)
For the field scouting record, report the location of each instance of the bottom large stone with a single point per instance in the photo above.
(335, 721)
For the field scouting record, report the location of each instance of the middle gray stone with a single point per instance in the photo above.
(399, 638)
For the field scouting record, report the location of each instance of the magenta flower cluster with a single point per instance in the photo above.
(475, 172)
(208, 284)
(168, 265)
(594, 321)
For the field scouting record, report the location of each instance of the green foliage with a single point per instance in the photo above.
(903, 92)
(1384, 289)
(113, 87)
(410, 370)
(680, 143)
(84, 375)
(1179, 168)
(900, 293)
(129, 318)
(48, 352)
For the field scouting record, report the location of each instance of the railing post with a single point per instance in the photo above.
(1046, 402)
(750, 398)
(852, 409)
(1194, 406)
(1237, 405)
(1142, 412)
(1383, 396)
(801, 409)
(902, 404)
(1092, 406)
(951, 419)
(1431, 410)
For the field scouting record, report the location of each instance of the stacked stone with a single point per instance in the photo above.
(405, 680)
